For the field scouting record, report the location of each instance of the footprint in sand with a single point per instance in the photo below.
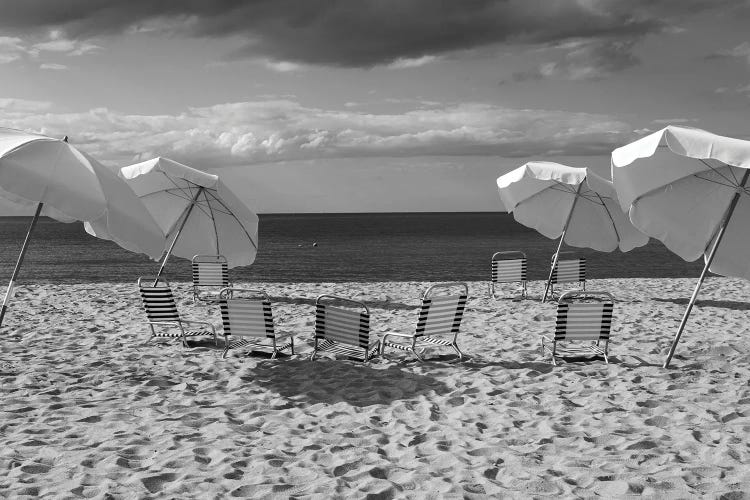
(154, 484)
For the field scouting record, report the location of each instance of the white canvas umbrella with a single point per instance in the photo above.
(196, 212)
(67, 185)
(688, 188)
(569, 203)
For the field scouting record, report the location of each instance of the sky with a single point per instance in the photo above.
(371, 105)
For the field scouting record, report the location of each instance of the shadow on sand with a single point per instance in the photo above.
(372, 304)
(724, 304)
(332, 381)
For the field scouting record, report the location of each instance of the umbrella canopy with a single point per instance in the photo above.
(688, 188)
(196, 212)
(569, 203)
(67, 185)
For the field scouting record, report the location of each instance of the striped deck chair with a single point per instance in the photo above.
(568, 270)
(161, 311)
(585, 317)
(210, 276)
(508, 267)
(249, 319)
(437, 324)
(344, 331)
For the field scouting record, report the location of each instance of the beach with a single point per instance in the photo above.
(90, 410)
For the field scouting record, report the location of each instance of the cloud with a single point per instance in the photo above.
(19, 107)
(283, 129)
(416, 62)
(364, 33)
(740, 51)
(16, 48)
(585, 60)
(53, 66)
(11, 49)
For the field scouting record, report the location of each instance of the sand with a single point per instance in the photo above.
(87, 410)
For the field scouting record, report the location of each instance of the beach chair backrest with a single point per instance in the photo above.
(440, 315)
(584, 316)
(569, 270)
(210, 270)
(509, 267)
(158, 300)
(246, 316)
(343, 325)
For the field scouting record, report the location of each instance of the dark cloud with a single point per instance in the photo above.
(358, 33)
(586, 60)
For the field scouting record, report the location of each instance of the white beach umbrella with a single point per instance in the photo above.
(688, 188)
(569, 203)
(196, 211)
(67, 185)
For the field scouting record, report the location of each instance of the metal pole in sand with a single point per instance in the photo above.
(719, 236)
(176, 236)
(17, 269)
(562, 238)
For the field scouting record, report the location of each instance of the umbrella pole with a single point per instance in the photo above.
(710, 259)
(176, 236)
(9, 293)
(559, 246)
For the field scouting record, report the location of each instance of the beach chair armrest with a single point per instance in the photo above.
(384, 335)
(195, 322)
(283, 335)
(163, 323)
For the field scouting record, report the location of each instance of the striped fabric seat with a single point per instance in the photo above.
(161, 313)
(343, 331)
(159, 303)
(507, 269)
(210, 275)
(584, 317)
(438, 323)
(569, 271)
(250, 321)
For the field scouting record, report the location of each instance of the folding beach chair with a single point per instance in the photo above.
(161, 311)
(343, 330)
(584, 317)
(508, 267)
(438, 322)
(568, 270)
(247, 316)
(210, 276)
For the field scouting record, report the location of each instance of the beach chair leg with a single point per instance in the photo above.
(554, 350)
(291, 346)
(416, 355)
(458, 351)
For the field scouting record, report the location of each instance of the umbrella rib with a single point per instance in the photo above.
(609, 214)
(565, 187)
(728, 184)
(716, 171)
(231, 214)
(213, 219)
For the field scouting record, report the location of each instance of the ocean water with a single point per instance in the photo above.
(349, 247)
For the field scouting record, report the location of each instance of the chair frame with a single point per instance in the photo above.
(524, 265)
(421, 341)
(230, 293)
(179, 323)
(323, 344)
(208, 297)
(594, 349)
(582, 282)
